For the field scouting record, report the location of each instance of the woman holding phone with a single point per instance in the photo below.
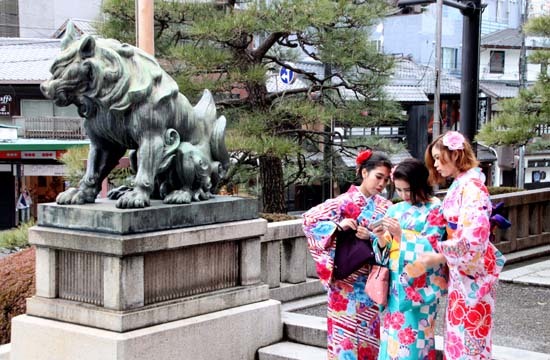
(410, 228)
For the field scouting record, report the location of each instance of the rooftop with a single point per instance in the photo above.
(511, 39)
(26, 61)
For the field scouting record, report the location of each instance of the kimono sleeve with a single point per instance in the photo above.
(381, 254)
(320, 223)
(319, 227)
(434, 285)
(430, 286)
(466, 246)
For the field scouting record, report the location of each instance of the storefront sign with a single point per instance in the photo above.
(38, 155)
(17, 154)
(10, 154)
(43, 170)
(5, 105)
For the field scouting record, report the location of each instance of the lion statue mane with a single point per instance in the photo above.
(129, 102)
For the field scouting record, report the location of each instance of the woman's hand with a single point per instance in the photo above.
(380, 231)
(393, 227)
(431, 260)
(424, 262)
(362, 233)
(347, 224)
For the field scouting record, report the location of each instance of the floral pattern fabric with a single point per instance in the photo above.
(408, 321)
(353, 323)
(474, 266)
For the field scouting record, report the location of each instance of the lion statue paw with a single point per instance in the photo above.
(178, 197)
(133, 200)
(75, 196)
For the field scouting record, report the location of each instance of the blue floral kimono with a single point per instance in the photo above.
(408, 321)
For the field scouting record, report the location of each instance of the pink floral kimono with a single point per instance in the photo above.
(352, 319)
(474, 266)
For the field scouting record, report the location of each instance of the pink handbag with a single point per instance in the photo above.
(378, 284)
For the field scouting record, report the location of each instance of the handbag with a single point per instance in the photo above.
(378, 284)
(351, 254)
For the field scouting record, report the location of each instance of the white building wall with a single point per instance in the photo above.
(511, 66)
(41, 18)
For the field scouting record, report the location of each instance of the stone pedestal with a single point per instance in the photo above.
(137, 284)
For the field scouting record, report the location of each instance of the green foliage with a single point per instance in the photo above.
(521, 117)
(17, 283)
(539, 145)
(496, 190)
(75, 166)
(16, 238)
(74, 160)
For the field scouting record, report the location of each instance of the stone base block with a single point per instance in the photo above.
(121, 321)
(235, 333)
(290, 292)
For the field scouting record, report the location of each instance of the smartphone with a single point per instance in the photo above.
(376, 223)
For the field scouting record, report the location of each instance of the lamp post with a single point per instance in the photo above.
(471, 10)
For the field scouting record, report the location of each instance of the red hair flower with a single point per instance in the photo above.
(363, 156)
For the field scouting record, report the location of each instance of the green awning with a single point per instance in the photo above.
(41, 144)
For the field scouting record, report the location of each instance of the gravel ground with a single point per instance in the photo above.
(522, 318)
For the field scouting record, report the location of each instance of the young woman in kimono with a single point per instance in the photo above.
(352, 318)
(474, 263)
(410, 228)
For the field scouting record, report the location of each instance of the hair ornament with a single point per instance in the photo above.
(454, 140)
(363, 156)
(392, 171)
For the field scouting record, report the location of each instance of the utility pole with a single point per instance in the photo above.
(469, 99)
(522, 85)
(145, 26)
(436, 130)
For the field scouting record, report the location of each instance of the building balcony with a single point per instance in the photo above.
(49, 127)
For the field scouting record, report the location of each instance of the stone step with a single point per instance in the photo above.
(311, 332)
(287, 292)
(292, 351)
(305, 329)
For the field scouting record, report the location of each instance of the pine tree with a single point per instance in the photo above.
(232, 47)
(522, 117)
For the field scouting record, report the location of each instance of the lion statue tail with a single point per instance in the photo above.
(217, 143)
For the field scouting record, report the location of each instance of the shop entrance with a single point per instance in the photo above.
(7, 201)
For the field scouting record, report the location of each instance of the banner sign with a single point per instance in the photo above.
(5, 105)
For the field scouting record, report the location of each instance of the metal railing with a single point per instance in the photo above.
(51, 127)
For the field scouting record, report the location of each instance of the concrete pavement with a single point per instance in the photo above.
(533, 274)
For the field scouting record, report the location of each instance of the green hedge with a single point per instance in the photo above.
(16, 238)
(496, 190)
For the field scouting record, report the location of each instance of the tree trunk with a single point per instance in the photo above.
(271, 180)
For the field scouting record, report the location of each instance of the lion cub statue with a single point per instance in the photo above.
(129, 102)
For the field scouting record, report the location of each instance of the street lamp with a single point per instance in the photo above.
(471, 10)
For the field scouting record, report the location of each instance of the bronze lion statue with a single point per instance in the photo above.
(129, 102)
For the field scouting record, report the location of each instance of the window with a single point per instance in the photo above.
(37, 108)
(496, 62)
(377, 44)
(9, 18)
(449, 58)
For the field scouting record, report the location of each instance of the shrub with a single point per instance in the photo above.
(16, 238)
(496, 190)
(16, 284)
(275, 217)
